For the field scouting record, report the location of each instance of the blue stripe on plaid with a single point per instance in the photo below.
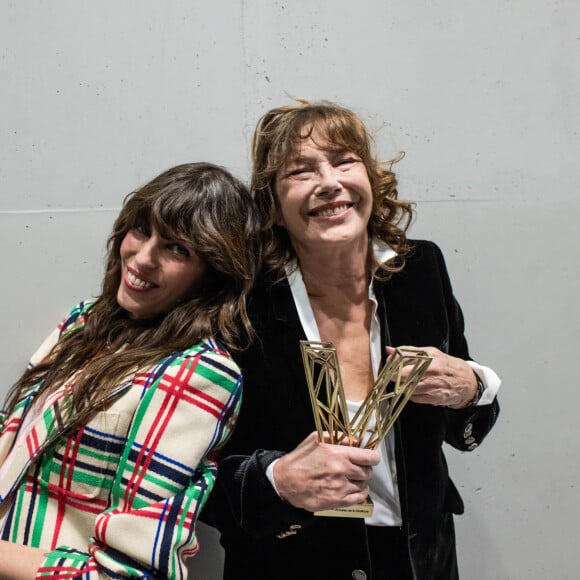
(34, 499)
(213, 362)
(165, 467)
(87, 468)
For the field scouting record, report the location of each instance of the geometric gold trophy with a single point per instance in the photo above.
(377, 412)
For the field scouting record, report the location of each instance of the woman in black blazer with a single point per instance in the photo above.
(340, 269)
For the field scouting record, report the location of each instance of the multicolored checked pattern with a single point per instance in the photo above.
(121, 497)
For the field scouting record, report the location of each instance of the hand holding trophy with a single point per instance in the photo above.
(377, 412)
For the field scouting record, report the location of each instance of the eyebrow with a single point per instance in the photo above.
(333, 152)
(299, 159)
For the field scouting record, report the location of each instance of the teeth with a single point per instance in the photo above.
(331, 211)
(138, 282)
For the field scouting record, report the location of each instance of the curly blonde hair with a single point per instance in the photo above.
(276, 138)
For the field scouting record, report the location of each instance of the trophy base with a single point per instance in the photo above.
(359, 510)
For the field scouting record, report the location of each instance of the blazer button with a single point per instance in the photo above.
(291, 531)
(472, 446)
(359, 575)
(468, 430)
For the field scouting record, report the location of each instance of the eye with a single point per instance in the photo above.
(141, 231)
(298, 171)
(179, 249)
(346, 162)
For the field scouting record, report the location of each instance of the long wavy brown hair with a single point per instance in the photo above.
(277, 137)
(212, 213)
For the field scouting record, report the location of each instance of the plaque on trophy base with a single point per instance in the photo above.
(377, 412)
(359, 510)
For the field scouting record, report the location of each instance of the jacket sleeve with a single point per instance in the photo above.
(466, 428)
(166, 469)
(73, 318)
(256, 507)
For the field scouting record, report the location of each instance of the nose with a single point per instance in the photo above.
(328, 181)
(148, 253)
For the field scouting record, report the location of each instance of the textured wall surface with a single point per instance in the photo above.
(483, 97)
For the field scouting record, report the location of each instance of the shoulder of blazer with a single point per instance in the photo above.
(424, 265)
(422, 251)
(76, 317)
(271, 302)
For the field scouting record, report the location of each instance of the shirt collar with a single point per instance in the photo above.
(382, 251)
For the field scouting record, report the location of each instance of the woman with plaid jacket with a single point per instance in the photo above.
(108, 441)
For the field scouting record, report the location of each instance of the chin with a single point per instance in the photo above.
(128, 307)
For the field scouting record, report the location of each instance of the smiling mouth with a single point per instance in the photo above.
(135, 281)
(330, 211)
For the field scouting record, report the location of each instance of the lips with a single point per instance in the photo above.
(134, 279)
(330, 211)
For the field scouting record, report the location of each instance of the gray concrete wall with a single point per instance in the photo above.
(484, 98)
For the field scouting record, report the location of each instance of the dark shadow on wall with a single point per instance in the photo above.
(209, 561)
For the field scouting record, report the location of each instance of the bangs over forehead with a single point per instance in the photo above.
(169, 211)
(329, 127)
(336, 132)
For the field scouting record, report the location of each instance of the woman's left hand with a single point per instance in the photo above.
(20, 562)
(448, 381)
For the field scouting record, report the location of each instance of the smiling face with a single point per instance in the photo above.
(157, 273)
(325, 196)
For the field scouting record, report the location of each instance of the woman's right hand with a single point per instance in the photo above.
(318, 476)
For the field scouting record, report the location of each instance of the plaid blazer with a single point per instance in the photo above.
(121, 496)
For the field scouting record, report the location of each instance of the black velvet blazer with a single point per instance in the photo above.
(265, 537)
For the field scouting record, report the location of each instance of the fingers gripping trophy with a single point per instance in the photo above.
(378, 411)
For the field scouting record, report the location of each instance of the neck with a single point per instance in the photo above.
(335, 271)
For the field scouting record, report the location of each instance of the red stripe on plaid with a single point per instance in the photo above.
(156, 512)
(11, 426)
(64, 571)
(167, 408)
(67, 468)
(197, 397)
(201, 399)
(32, 443)
(71, 499)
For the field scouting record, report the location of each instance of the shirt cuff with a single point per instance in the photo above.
(490, 381)
(270, 476)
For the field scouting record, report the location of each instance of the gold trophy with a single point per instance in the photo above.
(377, 412)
